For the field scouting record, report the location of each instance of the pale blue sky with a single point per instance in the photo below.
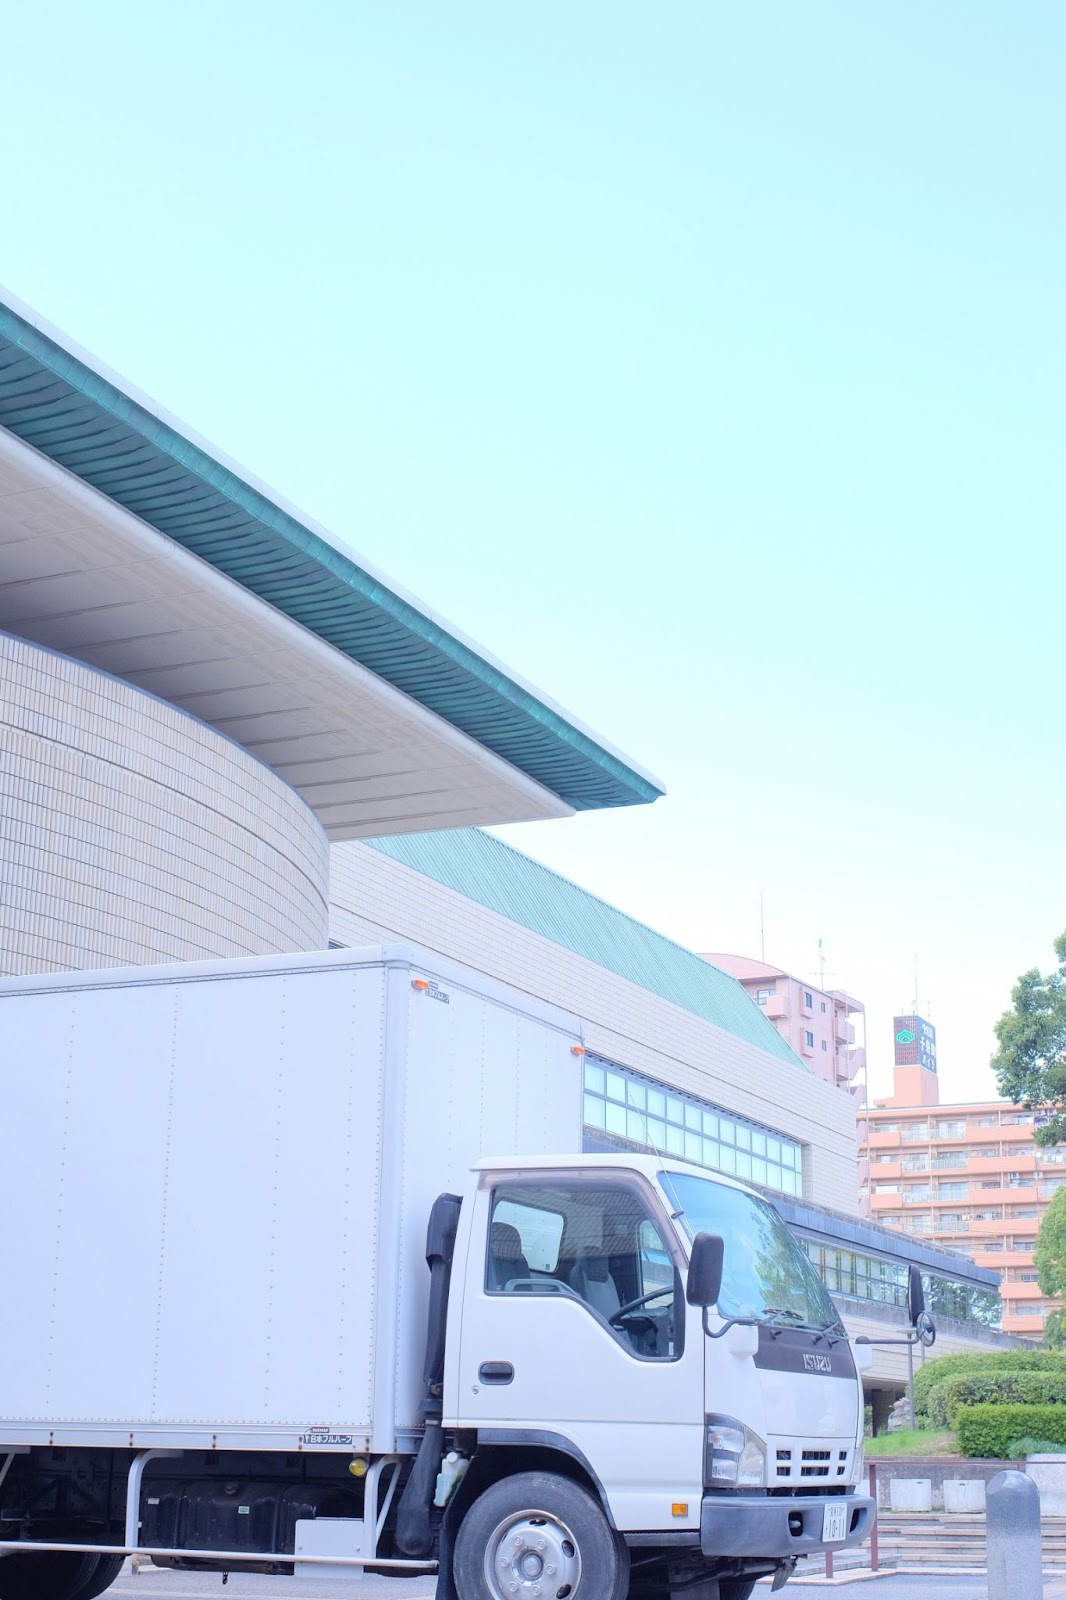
(705, 362)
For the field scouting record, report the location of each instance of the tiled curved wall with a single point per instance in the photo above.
(131, 833)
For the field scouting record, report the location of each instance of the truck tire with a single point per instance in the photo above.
(46, 1575)
(107, 1570)
(734, 1589)
(538, 1533)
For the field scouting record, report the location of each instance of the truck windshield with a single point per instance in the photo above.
(765, 1273)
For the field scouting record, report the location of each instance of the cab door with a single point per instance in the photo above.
(575, 1328)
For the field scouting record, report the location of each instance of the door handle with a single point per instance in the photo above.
(495, 1372)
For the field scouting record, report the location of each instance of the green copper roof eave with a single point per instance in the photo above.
(502, 879)
(80, 418)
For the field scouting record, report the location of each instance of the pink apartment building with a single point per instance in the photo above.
(816, 1022)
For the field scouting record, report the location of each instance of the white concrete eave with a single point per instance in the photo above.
(85, 577)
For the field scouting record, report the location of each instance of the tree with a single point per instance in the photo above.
(1030, 1065)
(1054, 1332)
(1050, 1255)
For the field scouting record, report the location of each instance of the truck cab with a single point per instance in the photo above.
(721, 1440)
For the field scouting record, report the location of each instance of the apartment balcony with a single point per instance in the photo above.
(957, 1225)
(994, 1229)
(843, 1032)
(885, 1202)
(912, 1164)
(949, 1163)
(776, 1006)
(994, 1165)
(883, 1141)
(1004, 1194)
(917, 1197)
(978, 1135)
(1021, 1291)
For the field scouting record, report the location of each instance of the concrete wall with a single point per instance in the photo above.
(131, 832)
(375, 898)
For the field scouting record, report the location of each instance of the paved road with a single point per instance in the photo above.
(155, 1585)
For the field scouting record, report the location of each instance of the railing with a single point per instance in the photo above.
(917, 1164)
(917, 1197)
(915, 1135)
(949, 1163)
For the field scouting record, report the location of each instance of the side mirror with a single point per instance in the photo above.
(704, 1282)
(915, 1296)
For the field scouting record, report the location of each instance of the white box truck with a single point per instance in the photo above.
(303, 1268)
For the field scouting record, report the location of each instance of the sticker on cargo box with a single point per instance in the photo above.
(321, 1437)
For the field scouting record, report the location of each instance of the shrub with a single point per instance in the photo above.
(930, 1379)
(1020, 1448)
(993, 1430)
(1000, 1389)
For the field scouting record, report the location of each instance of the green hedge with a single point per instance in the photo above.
(931, 1379)
(1001, 1389)
(996, 1430)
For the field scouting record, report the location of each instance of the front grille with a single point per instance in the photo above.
(794, 1464)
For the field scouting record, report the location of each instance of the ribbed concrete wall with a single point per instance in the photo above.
(130, 832)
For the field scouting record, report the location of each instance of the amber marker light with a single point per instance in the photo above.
(679, 1508)
(577, 1049)
(420, 983)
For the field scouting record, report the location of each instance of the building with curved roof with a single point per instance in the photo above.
(202, 687)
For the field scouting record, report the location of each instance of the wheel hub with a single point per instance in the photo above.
(532, 1556)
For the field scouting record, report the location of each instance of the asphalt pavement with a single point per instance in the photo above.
(153, 1584)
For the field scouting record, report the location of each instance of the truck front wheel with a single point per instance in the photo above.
(538, 1536)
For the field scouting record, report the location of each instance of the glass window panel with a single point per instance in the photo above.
(616, 1086)
(758, 1170)
(675, 1111)
(675, 1140)
(729, 1159)
(636, 1127)
(743, 1164)
(727, 1130)
(636, 1095)
(710, 1124)
(616, 1118)
(743, 1137)
(693, 1147)
(656, 1132)
(758, 1143)
(693, 1118)
(712, 1153)
(594, 1077)
(595, 1111)
(656, 1103)
(773, 1150)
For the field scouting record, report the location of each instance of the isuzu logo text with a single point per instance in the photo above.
(813, 1363)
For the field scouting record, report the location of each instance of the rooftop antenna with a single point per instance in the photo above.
(762, 929)
(916, 985)
(821, 966)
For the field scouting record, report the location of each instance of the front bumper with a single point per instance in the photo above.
(778, 1525)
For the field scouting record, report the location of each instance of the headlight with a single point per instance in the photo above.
(733, 1456)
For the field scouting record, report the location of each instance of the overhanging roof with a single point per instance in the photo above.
(513, 884)
(83, 419)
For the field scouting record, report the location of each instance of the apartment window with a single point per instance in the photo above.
(915, 1131)
(824, 1045)
(951, 1130)
(1021, 1122)
(1021, 1244)
(953, 1191)
(1028, 1277)
(988, 1122)
(1028, 1311)
(1022, 1214)
(823, 1005)
(808, 1000)
(623, 1107)
(808, 1038)
(763, 995)
(991, 1244)
(887, 1127)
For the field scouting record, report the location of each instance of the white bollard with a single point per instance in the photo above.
(1013, 1521)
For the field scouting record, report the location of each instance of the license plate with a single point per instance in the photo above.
(834, 1524)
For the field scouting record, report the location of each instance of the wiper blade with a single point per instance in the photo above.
(783, 1311)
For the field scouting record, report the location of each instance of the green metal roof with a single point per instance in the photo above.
(62, 403)
(502, 879)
